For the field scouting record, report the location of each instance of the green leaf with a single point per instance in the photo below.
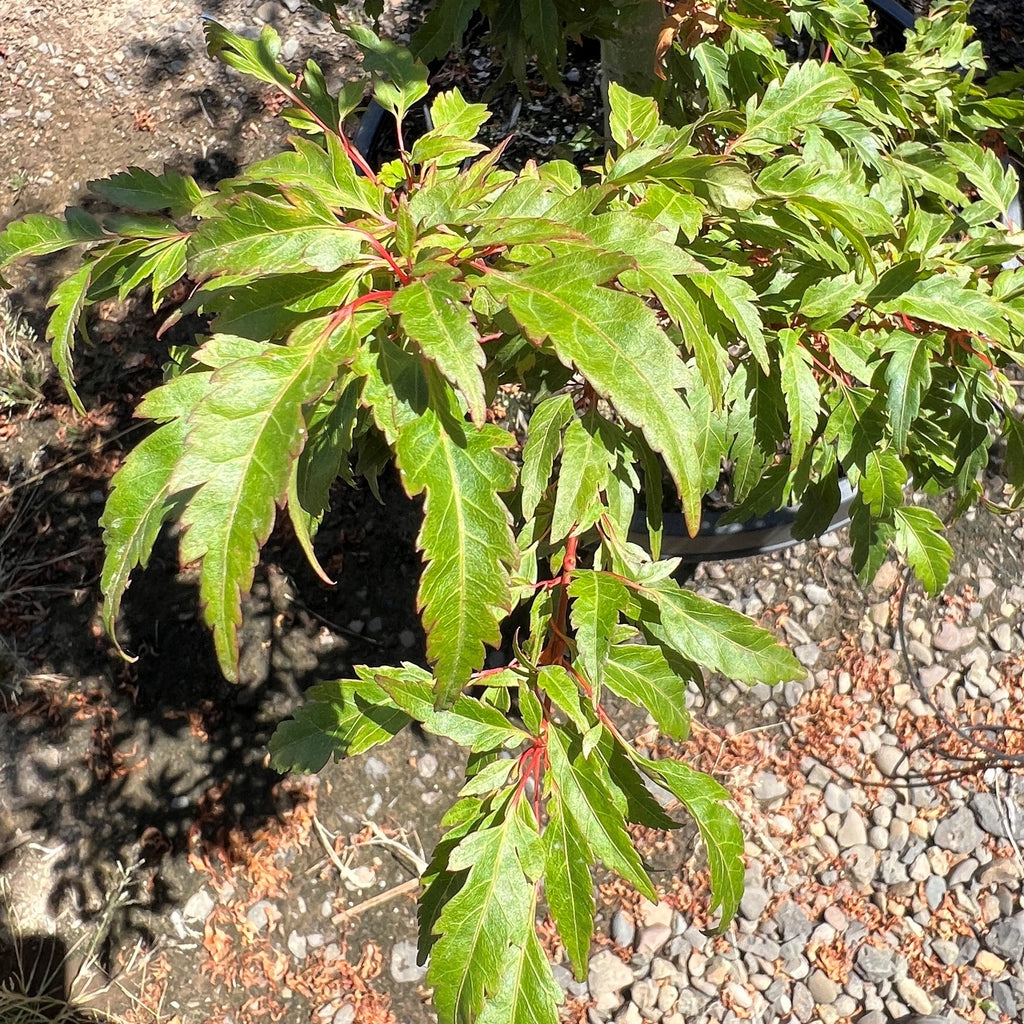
(803, 398)
(633, 118)
(543, 441)
(399, 80)
(644, 677)
(435, 314)
(142, 190)
(339, 719)
(614, 340)
(881, 486)
(715, 636)
(582, 787)
(527, 992)
(598, 599)
(443, 29)
(919, 538)
(256, 236)
(39, 234)
(583, 474)
(243, 438)
(995, 183)
(945, 300)
(468, 722)
(567, 882)
(705, 801)
(141, 499)
(68, 301)
(735, 300)
(564, 690)
(908, 373)
(491, 912)
(256, 57)
(788, 107)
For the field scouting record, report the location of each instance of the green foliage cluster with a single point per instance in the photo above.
(806, 276)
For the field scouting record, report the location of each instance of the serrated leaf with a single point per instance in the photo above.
(242, 439)
(614, 340)
(633, 118)
(884, 476)
(339, 719)
(788, 107)
(734, 299)
(943, 299)
(468, 722)
(583, 473)
(908, 373)
(919, 538)
(644, 677)
(587, 799)
(704, 800)
(443, 29)
(543, 441)
(142, 190)
(492, 911)
(435, 314)
(716, 637)
(996, 184)
(141, 499)
(1013, 429)
(567, 882)
(564, 690)
(399, 80)
(803, 398)
(256, 57)
(598, 599)
(39, 234)
(527, 992)
(68, 302)
(256, 236)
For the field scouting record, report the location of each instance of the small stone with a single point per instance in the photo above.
(622, 929)
(753, 902)
(803, 1003)
(768, 786)
(989, 963)
(198, 906)
(836, 798)
(1002, 636)
(807, 654)
(822, 988)
(914, 996)
(653, 938)
(817, 595)
(376, 770)
(886, 578)
(345, 1015)
(718, 971)
(963, 872)
(256, 915)
(1006, 938)
(891, 761)
(853, 831)
(874, 964)
(861, 865)
(644, 993)
(1000, 871)
(404, 968)
(289, 49)
(269, 12)
(297, 945)
(948, 952)
(606, 979)
(951, 637)
(934, 891)
(792, 922)
(407, 638)
(958, 833)
(426, 766)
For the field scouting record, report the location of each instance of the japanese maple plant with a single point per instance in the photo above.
(795, 270)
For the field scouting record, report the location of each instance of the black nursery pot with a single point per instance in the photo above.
(718, 541)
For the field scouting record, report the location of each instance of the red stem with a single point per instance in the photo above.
(386, 256)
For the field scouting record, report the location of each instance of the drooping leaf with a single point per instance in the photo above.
(567, 882)
(583, 474)
(543, 441)
(882, 483)
(803, 398)
(39, 234)
(68, 302)
(586, 797)
(705, 801)
(527, 992)
(644, 677)
(490, 913)
(435, 313)
(141, 499)
(919, 538)
(399, 80)
(613, 339)
(242, 439)
(908, 373)
(142, 190)
(339, 719)
(598, 599)
(716, 637)
(256, 57)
